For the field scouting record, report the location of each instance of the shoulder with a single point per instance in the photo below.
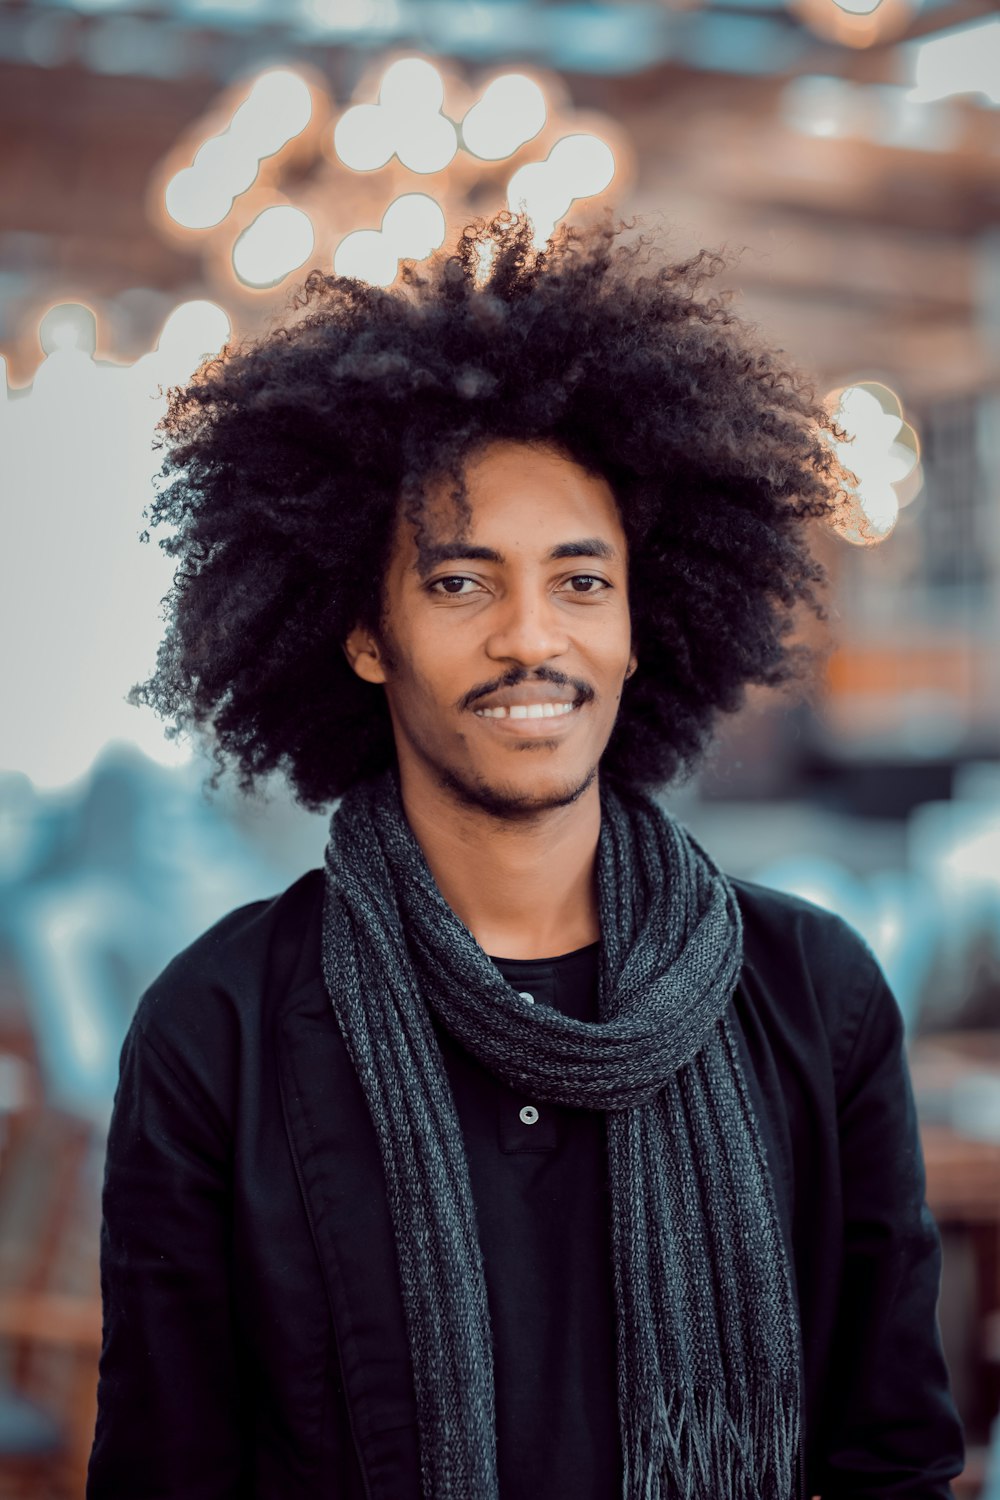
(778, 926)
(218, 989)
(812, 976)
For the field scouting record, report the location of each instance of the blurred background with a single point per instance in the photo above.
(169, 170)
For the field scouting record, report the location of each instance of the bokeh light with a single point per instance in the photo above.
(427, 144)
(511, 112)
(226, 160)
(194, 200)
(578, 166)
(881, 451)
(855, 23)
(367, 255)
(365, 137)
(414, 226)
(827, 107)
(406, 122)
(277, 108)
(411, 86)
(821, 105)
(68, 325)
(76, 590)
(584, 162)
(858, 7)
(278, 241)
(194, 331)
(961, 60)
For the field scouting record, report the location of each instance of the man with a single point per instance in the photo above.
(519, 1151)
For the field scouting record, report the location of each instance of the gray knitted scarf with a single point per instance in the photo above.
(708, 1345)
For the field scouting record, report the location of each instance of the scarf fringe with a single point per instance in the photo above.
(693, 1447)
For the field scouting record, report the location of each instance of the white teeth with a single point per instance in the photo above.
(527, 711)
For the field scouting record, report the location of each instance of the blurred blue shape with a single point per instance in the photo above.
(739, 43)
(126, 870)
(25, 1428)
(605, 38)
(955, 847)
(893, 911)
(134, 47)
(991, 1480)
(904, 932)
(484, 28)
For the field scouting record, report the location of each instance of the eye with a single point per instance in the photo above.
(588, 578)
(441, 585)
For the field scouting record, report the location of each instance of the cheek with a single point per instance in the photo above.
(422, 685)
(614, 652)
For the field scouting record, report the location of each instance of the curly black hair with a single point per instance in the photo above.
(289, 459)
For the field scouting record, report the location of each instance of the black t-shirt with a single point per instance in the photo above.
(540, 1186)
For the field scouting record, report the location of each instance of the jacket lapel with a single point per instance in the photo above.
(340, 1174)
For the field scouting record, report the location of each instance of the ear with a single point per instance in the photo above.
(633, 662)
(363, 653)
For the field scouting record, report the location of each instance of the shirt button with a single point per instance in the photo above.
(525, 996)
(529, 1115)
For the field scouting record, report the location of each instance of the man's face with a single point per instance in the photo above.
(504, 649)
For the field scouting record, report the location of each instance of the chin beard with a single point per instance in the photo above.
(508, 805)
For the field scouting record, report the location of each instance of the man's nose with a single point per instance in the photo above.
(527, 628)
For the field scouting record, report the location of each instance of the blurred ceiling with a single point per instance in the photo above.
(870, 224)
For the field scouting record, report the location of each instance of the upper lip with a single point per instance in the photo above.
(528, 692)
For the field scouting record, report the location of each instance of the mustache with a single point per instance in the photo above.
(516, 677)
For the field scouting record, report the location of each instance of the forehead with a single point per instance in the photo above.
(532, 496)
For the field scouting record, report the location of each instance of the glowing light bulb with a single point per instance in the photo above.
(578, 166)
(880, 509)
(511, 112)
(412, 86)
(274, 245)
(277, 109)
(364, 137)
(414, 226)
(368, 256)
(862, 415)
(961, 60)
(584, 163)
(427, 143)
(535, 191)
(819, 105)
(406, 122)
(197, 328)
(194, 201)
(227, 164)
(881, 451)
(194, 331)
(66, 326)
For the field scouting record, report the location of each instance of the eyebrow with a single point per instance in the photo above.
(439, 552)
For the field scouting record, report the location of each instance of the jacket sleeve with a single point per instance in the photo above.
(170, 1423)
(892, 1428)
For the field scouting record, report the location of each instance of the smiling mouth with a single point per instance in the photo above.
(527, 711)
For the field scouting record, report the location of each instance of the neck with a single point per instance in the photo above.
(525, 888)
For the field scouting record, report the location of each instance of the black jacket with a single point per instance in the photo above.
(254, 1343)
